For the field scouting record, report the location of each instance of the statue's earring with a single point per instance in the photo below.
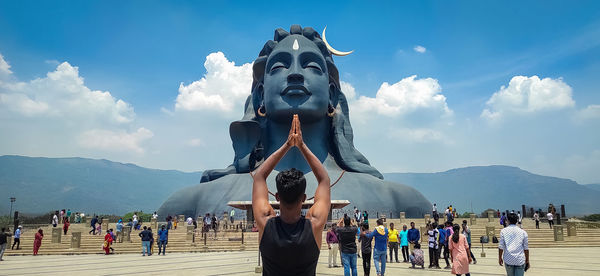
(261, 111)
(330, 110)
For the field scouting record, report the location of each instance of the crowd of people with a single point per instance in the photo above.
(349, 237)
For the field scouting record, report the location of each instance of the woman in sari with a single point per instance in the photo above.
(108, 239)
(38, 241)
(66, 225)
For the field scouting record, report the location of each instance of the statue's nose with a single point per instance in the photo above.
(295, 78)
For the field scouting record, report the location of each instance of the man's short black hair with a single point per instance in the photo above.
(513, 218)
(379, 222)
(347, 221)
(417, 246)
(365, 226)
(291, 185)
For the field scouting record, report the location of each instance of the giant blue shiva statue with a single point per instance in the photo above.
(295, 74)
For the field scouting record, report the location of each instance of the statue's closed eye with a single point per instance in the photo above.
(277, 66)
(314, 65)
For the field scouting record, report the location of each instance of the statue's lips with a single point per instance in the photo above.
(295, 90)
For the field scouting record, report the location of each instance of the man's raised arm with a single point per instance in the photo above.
(319, 212)
(260, 193)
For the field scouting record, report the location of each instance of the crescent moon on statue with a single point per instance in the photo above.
(334, 51)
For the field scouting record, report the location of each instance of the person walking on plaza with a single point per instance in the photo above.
(513, 248)
(17, 238)
(459, 252)
(290, 243)
(108, 239)
(232, 215)
(99, 227)
(380, 249)
(467, 233)
(365, 244)
(347, 235)
(119, 231)
(365, 217)
(443, 244)
(214, 224)
(146, 237)
(417, 257)
(37, 242)
(114, 238)
(413, 234)
(207, 222)
(3, 241)
(403, 236)
(550, 219)
(151, 241)
(503, 219)
(66, 225)
(69, 213)
(332, 246)
(520, 219)
(55, 219)
(163, 239)
(135, 220)
(433, 242)
(155, 215)
(536, 217)
(393, 242)
(93, 225)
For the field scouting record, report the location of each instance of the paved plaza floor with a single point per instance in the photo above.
(544, 261)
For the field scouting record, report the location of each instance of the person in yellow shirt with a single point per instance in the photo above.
(393, 242)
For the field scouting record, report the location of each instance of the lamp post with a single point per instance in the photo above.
(12, 200)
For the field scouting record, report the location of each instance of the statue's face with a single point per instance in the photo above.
(296, 81)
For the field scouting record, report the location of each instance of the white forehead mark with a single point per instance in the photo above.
(295, 46)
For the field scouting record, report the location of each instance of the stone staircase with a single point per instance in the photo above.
(230, 240)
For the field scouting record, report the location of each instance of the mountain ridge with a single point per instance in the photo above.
(104, 186)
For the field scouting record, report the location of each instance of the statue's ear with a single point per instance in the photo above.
(333, 94)
(260, 92)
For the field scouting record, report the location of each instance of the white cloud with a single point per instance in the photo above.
(420, 49)
(348, 90)
(589, 113)
(224, 87)
(115, 140)
(529, 95)
(4, 67)
(59, 108)
(404, 97)
(195, 142)
(62, 94)
(417, 135)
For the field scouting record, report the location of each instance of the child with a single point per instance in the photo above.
(416, 257)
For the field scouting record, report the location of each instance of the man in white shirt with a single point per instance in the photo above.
(155, 215)
(189, 220)
(536, 217)
(231, 215)
(513, 248)
(550, 219)
(54, 220)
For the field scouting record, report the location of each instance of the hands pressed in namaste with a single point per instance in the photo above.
(295, 136)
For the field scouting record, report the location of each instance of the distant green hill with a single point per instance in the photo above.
(500, 187)
(88, 185)
(102, 186)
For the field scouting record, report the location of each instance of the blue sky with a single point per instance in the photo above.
(142, 51)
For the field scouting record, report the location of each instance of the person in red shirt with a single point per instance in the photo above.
(108, 239)
(66, 225)
(38, 241)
